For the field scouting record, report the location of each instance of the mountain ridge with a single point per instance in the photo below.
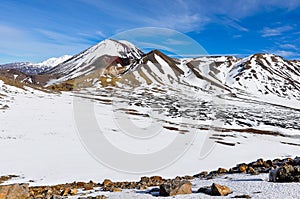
(120, 62)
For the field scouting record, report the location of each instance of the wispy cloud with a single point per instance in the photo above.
(270, 32)
(171, 41)
(58, 37)
(289, 46)
(22, 45)
(286, 53)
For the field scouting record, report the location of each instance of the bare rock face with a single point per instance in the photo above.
(15, 191)
(215, 190)
(175, 188)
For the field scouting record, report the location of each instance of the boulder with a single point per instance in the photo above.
(222, 170)
(106, 183)
(19, 191)
(243, 168)
(175, 188)
(220, 190)
(215, 190)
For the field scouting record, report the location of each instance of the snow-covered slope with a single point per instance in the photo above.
(97, 57)
(266, 74)
(258, 75)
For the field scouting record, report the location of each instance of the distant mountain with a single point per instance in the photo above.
(35, 68)
(258, 74)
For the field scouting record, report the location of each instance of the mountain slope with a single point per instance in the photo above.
(97, 57)
(266, 74)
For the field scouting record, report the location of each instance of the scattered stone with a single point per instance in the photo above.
(222, 170)
(156, 180)
(14, 191)
(106, 183)
(66, 192)
(117, 190)
(220, 190)
(258, 163)
(73, 192)
(243, 168)
(203, 174)
(252, 171)
(80, 184)
(175, 187)
(88, 186)
(215, 190)
(145, 179)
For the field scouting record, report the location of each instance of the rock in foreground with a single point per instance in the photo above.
(15, 191)
(175, 187)
(216, 190)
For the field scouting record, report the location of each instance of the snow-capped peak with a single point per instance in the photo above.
(54, 61)
(122, 48)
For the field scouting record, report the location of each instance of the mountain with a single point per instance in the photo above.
(118, 63)
(109, 53)
(35, 68)
(258, 74)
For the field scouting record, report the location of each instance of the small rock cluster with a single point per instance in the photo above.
(289, 171)
(68, 189)
(253, 168)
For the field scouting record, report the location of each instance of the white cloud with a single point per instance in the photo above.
(270, 32)
(288, 46)
(286, 53)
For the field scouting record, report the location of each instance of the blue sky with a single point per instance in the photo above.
(36, 30)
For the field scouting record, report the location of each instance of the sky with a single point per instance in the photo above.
(36, 30)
